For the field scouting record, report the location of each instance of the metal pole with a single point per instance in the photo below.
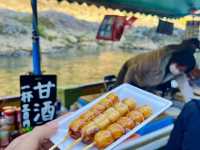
(36, 41)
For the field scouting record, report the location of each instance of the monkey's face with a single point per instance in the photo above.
(176, 69)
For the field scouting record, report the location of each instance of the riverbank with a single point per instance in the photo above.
(61, 32)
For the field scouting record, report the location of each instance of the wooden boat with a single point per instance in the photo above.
(157, 138)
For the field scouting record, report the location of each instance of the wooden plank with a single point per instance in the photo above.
(72, 94)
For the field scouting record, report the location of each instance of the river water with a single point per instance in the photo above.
(71, 69)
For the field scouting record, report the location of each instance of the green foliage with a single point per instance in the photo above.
(51, 38)
(43, 24)
(42, 32)
(44, 21)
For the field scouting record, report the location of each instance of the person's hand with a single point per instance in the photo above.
(38, 139)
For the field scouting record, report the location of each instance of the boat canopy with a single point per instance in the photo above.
(162, 8)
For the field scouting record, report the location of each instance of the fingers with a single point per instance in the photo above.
(38, 138)
(46, 144)
(45, 131)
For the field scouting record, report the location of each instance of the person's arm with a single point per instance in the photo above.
(178, 136)
(185, 88)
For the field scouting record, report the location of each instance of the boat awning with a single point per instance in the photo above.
(162, 8)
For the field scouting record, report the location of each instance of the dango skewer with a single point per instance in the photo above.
(77, 124)
(111, 115)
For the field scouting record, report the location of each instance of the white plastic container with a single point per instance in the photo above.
(142, 97)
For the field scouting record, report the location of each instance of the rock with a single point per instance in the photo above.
(62, 33)
(22, 53)
(90, 45)
(71, 39)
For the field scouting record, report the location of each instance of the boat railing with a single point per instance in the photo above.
(67, 95)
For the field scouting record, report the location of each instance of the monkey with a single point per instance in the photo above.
(150, 69)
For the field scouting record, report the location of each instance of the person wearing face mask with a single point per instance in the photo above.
(153, 69)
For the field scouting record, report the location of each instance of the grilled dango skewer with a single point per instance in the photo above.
(145, 110)
(103, 138)
(121, 108)
(127, 123)
(136, 116)
(116, 130)
(103, 120)
(74, 128)
(76, 125)
(131, 103)
(109, 100)
(99, 123)
(89, 131)
(112, 114)
(98, 109)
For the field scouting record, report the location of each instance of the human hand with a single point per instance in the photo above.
(38, 139)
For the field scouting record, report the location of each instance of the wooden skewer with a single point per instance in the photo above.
(61, 142)
(74, 143)
(89, 146)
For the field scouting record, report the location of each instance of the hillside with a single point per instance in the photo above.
(70, 27)
(62, 32)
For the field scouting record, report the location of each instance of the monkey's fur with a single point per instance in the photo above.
(150, 68)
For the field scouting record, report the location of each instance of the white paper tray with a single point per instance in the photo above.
(142, 97)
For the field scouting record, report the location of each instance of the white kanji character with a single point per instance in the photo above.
(26, 115)
(36, 109)
(47, 111)
(25, 110)
(44, 90)
(26, 95)
(26, 123)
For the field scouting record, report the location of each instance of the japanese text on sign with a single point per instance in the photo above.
(38, 96)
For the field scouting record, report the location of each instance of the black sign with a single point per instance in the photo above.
(38, 97)
(165, 27)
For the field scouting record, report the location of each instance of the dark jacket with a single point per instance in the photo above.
(186, 132)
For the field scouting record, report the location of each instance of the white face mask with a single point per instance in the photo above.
(174, 70)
